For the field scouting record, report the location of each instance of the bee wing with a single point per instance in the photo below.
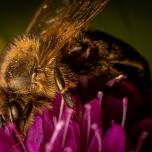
(57, 22)
(45, 17)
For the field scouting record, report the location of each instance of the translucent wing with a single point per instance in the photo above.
(57, 22)
(45, 16)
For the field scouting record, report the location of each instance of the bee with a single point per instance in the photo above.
(58, 53)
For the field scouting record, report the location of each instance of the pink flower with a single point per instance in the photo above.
(105, 124)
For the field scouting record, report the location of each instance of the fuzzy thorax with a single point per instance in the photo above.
(22, 73)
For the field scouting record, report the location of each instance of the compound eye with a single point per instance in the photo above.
(15, 111)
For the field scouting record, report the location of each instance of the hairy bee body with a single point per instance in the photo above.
(99, 57)
(24, 80)
(57, 55)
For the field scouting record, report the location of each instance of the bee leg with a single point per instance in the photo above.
(61, 86)
(1, 122)
(68, 99)
(115, 80)
(25, 115)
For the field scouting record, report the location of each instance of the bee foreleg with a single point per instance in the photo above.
(27, 110)
(68, 98)
(116, 79)
(62, 88)
(25, 115)
(1, 122)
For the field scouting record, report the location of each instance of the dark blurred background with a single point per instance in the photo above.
(129, 20)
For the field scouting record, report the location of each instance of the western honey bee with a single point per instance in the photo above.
(57, 54)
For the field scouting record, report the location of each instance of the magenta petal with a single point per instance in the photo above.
(112, 110)
(56, 138)
(56, 106)
(68, 149)
(17, 148)
(35, 135)
(48, 125)
(6, 142)
(144, 125)
(96, 142)
(114, 139)
(48, 128)
(96, 111)
(73, 137)
(86, 126)
(9, 130)
(138, 130)
(92, 114)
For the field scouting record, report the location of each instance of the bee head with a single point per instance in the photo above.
(18, 63)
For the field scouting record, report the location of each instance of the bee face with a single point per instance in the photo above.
(18, 64)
